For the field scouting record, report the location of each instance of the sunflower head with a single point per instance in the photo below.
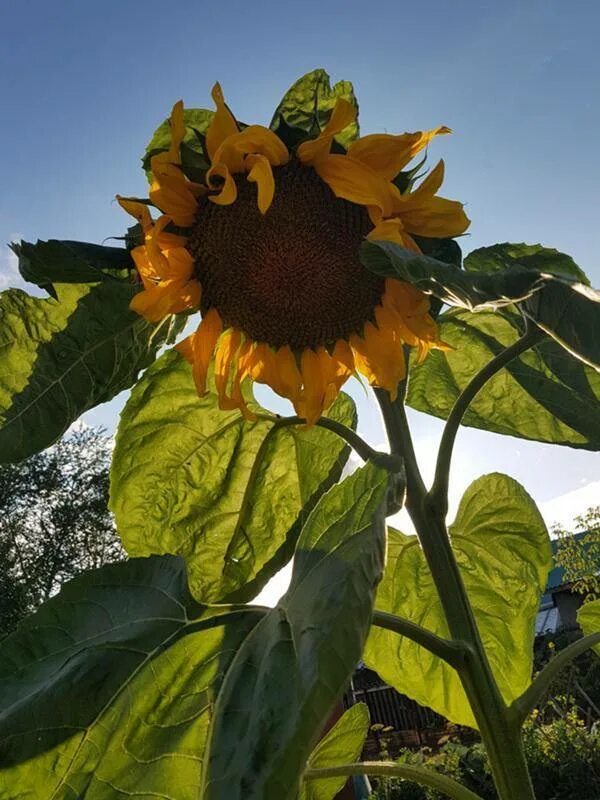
(259, 229)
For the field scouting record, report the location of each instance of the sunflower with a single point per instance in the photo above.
(266, 247)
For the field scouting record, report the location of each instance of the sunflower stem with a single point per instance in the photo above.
(438, 495)
(499, 729)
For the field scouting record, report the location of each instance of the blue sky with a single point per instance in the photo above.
(84, 84)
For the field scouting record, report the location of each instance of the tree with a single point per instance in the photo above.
(54, 521)
(579, 553)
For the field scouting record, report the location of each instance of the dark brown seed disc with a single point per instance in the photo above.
(293, 275)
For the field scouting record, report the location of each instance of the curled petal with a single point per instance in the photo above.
(139, 211)
(261, 174)
(176, 120)
(379, 356)
(254, 139)
(227, 190)
(174, 194)
(222, 125)
(158, 301)
(392, 230)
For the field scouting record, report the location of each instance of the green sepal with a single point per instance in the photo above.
(306, 107)
(227, 494)
(54, 261)
(295, 664)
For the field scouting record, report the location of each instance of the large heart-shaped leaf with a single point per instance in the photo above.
(60, 357)
(228, 495)
(567, 311)
(307, 106)
(295, 664)
(543, 395)
(108, 690)
(47, 263)
(342, 744)
(503, 550)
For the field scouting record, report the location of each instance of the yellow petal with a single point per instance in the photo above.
(286, 377)
(145, 269)
(379, 356)
(157, 302)
(315, 150)
(428, 187)
(388, 154)
(437, 217)
(174, 194)
(392, 230)
(205, 340)
(253, 139)
(176, 120)
(225, 355)
(180, 264)
(186, 348)
(140, 211)
(227, 190)
(314, 371)
(262, 175)
(353, 181)
(222, 125)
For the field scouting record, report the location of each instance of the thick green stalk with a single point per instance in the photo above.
(499, 730)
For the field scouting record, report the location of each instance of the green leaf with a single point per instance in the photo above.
(228, 495)
(62, 356)
(498, 257)
(569, 312)
(307, 106)
(343, 744)
(194, 160)
(588, 616)
(293, 667)
(47, 263)
(503, 551)
(108, 690)
(544, 395)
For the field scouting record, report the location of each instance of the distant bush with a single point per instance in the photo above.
(564, 760)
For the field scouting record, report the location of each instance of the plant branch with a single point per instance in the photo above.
(407, 772)
(438, 495)
(387, 461)
(449, 650)
(524, 704)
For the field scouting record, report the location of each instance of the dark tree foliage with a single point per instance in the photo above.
(54, 521)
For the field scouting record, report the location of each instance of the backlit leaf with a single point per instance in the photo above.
(343, 744)
(544, 395)
(588, 616)
(307, 106)
(567, 311)
(61, 357)
(503, 551)
(295, 664)
(228, 495)
(108, 690)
